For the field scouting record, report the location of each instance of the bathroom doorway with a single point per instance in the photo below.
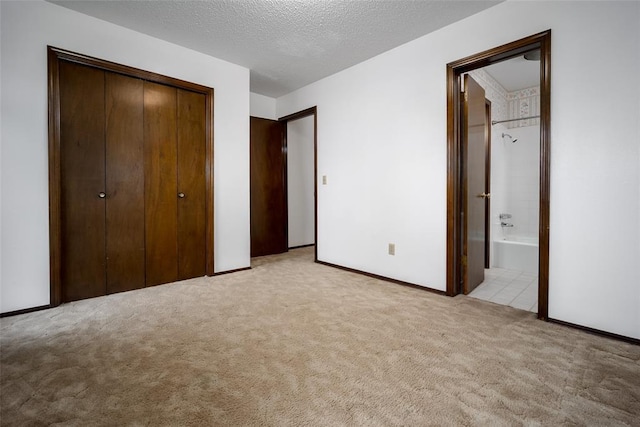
(504, 133)
(512, 88)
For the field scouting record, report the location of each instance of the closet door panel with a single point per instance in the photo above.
(191, 185)
(161, 192)
(125, 214)
(82, 174)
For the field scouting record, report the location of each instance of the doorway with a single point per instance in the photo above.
(292, 125)
(458, 251)
(284, 189)
(268, 188)
(299, 134)
(511, 229)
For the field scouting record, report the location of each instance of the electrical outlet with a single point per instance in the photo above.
(392, 248)
(324, 179)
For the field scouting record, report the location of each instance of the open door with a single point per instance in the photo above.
(304, 179)
(268, 188)
(474, 192)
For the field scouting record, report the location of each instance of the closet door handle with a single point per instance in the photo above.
(102, 195)
(181, 195)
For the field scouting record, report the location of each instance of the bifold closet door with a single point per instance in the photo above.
(161, 184)
(82, 181)
(174, 140)
(133, 189)
(191, 185)
(125, 246)
(102, 181)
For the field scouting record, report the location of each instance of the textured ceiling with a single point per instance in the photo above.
(286, 44)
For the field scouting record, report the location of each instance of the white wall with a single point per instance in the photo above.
(382, 144)
(300, 181)
(515, 184)
(27, 28)
(499, 183)
(262, 106)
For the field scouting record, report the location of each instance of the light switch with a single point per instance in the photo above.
(324, 179)
(392, 248)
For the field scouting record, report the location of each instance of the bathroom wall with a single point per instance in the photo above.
(523, 103)
(499, 182)
(515, 180)
(515, 174)
(505, 105)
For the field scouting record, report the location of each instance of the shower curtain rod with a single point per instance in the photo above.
(494, 122)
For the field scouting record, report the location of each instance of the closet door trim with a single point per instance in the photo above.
(54, 57)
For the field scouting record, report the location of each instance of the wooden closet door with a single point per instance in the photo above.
(161, 192)
(191, 185)
(125, 247)
(82, 179)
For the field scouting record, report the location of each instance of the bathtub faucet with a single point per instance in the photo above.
(505, 224)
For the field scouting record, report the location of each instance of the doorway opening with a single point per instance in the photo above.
(284, 183)
(300, 152)
(466, 245)
(512, 135)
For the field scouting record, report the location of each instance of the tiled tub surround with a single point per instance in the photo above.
(514, 166)
(509, 287)
(515, 182)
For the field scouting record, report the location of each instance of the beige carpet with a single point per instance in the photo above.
(293, 343)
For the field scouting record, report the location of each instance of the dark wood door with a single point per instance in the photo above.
(268, 190)
(82, 181)
(125, 247)
(175, 191)
(131, 170)
(191, 185)
(161, 185)
(474, 194)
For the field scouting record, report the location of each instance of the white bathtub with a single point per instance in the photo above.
(516, 253)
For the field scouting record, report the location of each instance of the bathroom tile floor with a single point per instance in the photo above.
(508, 287)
